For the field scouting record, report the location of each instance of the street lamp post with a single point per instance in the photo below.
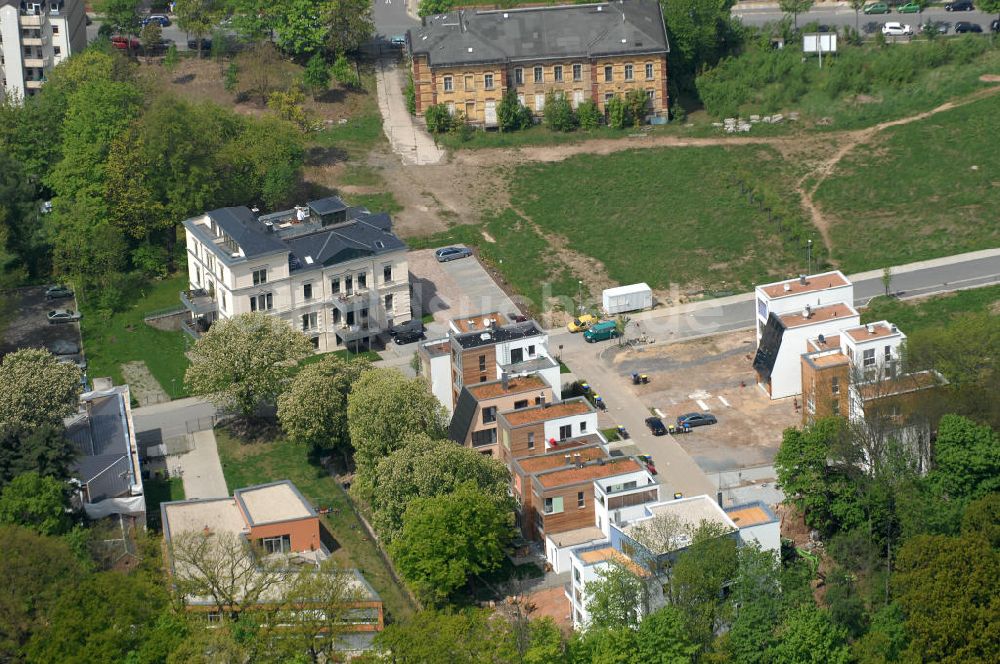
(809, 257)
(579, 295)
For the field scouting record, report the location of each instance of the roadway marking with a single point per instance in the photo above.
(659, 413)
(724, 402)
(702, 405)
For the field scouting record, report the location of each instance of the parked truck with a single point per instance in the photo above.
(634, 297)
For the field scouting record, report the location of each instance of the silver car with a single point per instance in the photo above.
(451, 254)
(63, 316)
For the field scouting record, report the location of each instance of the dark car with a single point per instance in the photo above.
(995, 25)
(64, 347)
(696, 419)
(408, 337)
(939, 27)
(656, 426)
(412, 325)
(959, 6)
(156, 18)
(451, 254)
(963, 27)
(206, 44)
(57, 291)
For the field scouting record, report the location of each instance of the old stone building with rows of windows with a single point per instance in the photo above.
(468, 59)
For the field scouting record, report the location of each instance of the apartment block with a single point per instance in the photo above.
(337, 273)
(468, 59)
(484, 349)
(34, 38)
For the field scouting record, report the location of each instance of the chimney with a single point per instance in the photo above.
(822, 339)
(802, 279)
(787, 287)
(541, 398)
(894, 329)
(871, 328)
(569, 459)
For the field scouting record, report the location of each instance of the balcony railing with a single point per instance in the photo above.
(356, 331)
(36, 62)
(198, 301)
(632, 499)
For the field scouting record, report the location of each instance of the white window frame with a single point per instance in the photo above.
(577, 72)
(650, 71)
(488, 81)
(557, 73)
(538, 74)
(519, 76)
(449, 84)
(629, 72)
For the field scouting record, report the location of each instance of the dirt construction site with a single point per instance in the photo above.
(713, 375)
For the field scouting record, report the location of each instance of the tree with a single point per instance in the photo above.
(245, 360)
(617, 598)
(313, 410)
(757, 598)
(315, 613)
(101, 618)
(439, 120)
(383, 411)
(316, 75)
(808, 636)
(35, 571)
(857, 6)
(36, 390)
(151, 36)
(42, 448)
(425, 468)
(222, 567)
(636, 103)
(300, 26)
(887, 279)
(289, 106)
(700, 34)
(966, 459)
(616, 645)
(947, 588)
(172, 58)
(35, 502)
(616, 112)
(558, 112)
(198, 17)
(429, 7)
(447, 539)
(662, 638)
(122, 15)
(795, 7)
(588, 115)
(349, 25)
(511, 114)
(698, 577)
(345, 72)
(469, 636)
(982, 518)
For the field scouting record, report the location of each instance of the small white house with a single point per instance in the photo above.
(791, 295)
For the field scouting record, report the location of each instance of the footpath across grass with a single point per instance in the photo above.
(921, 190)
(245, 464)
(669, 216)
(124, 337)
(914, 315)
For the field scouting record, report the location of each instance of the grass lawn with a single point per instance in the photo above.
(924, 190)
(254, 463)
(665, 216)
(361, 132)
(913, 315)
(124, 337)
(384, 202)
(160, 491)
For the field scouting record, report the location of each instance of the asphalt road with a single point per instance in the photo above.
(391, 18)
(844, 16)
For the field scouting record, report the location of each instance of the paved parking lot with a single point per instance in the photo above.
(455, 289)
(713, 375)
(28, 326)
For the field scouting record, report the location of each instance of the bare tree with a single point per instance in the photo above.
(222, 568)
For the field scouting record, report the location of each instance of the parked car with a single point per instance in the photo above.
(960, 6)
(909, 8)
(601, 332)
(581, 323)
(123, 43)
(63, 316)
(408, 337)
(57, 291)
(895, 29)
(156, 18)
(648, 460)
(451, 254)
(64, 347)
(398, 40)
(995, 25)
(412, 325)
(963, 27)
(877, 8)
(696, 419)
(656, 426)
(206, 44)
(935, 26)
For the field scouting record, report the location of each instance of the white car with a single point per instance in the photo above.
(895, 29)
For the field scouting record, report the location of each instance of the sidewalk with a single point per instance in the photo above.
(409, 140)
(201, 470)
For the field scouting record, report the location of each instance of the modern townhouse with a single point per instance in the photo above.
(337, 273)
(474, 423)
(34, 38)
(468, 59)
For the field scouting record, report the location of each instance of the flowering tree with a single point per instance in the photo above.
(244, 361)
(36, 389)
